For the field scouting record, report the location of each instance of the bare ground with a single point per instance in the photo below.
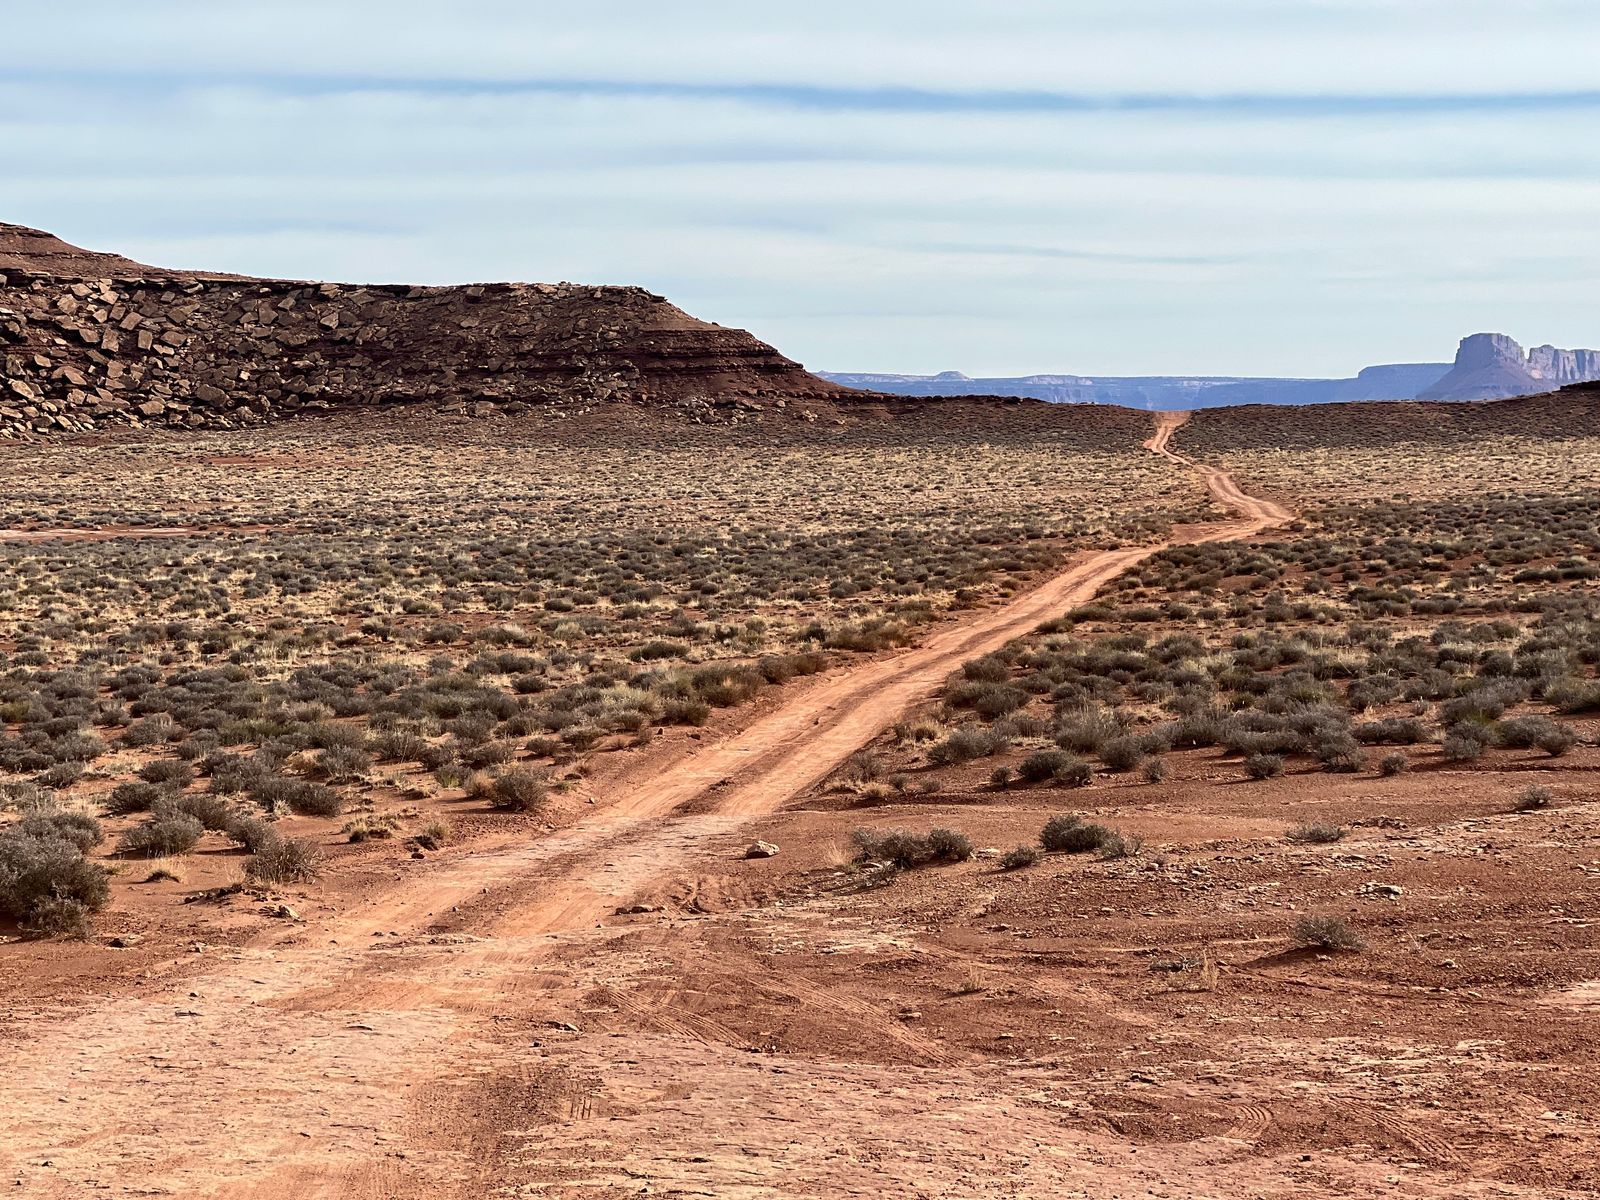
(488, 1023)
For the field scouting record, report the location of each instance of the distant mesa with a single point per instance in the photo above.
(1489, 366)
(1396, 382)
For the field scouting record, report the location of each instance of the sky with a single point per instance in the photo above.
(1263, 187)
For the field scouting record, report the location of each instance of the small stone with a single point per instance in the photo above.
(761, 850)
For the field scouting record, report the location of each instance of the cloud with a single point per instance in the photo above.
(1219, 187)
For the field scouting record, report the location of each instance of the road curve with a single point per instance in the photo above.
(292, 1067)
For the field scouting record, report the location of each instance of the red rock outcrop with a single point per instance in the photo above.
(91, 339)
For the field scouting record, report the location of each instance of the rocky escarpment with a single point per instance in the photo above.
(1492, 366)
(89, 340)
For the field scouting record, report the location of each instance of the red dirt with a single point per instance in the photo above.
(487, 1023)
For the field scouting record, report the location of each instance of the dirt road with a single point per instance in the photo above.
(384, 1052)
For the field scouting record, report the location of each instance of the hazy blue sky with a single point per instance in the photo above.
(1102, 186)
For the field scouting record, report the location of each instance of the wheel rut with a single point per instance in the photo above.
(307, 1054)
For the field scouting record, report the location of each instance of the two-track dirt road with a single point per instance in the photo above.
(366, 1054)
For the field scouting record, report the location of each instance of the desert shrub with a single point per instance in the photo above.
(1525, 733)
(905, 850)
(1068, 834)
(325, 735)
(1342, 759)
(1463, 743)
(59, 916)
(967, 743)
(285, 860)
(441, 754)
(1315, 835)
(400, 747)
(863, 766)
(1573, 696)
(1073, 772)
(249, 832)
(1122, 754)
(1391, 731)
(165, 834)
(1121, 845)
(1263, 766)
(343, 764)
(986, 698)
(949, 845)
(40, 871)
(314, 800)
(1532, 799)
(151, 731)
(1324, 933)
(685, 710)
(434, 835)
(1194, 731)
(63, 774)
(897, 847)
(133, 797)
(213, 812)
(1393, 764)
(1042, 765)
(1001, 777)
(1021, 856)
(167, 772)
(79, 830)
(1086, 731)
(519, 790)
(1155, 770)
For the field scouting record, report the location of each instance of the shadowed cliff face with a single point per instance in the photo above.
(92, 339)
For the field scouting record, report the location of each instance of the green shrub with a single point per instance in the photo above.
(250, 832)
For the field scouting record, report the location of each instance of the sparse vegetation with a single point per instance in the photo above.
(1325, 933)
(1316, 834)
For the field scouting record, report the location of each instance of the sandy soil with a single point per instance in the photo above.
(499, 1021)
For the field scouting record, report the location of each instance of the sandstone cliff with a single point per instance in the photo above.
(1492, 366)
(91, 339)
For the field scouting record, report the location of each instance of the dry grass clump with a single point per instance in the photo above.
(904, 850)
(1325, 933)
(285, 860)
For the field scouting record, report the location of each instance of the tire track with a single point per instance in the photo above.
(293, 1036)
